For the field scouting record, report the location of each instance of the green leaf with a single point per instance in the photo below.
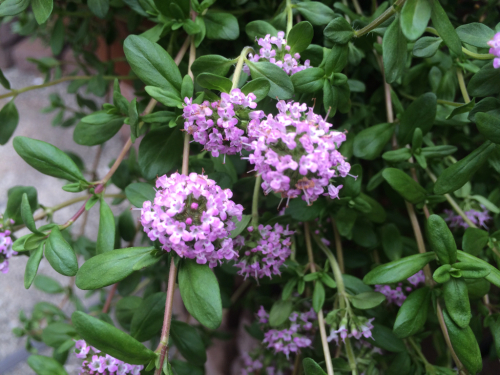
(259, 87)
(308, 80)
(221, 26)
(60, 255)
(489, 126)
(426, 46)
(404, 185)
(9, 118)
(57, 37)
(152, 64)
(48, 285)
(162, 117)
(167, 97)
(462, 109)
(45, 365)
(160, 151)
(367, 300)
(189, 343)
(456, 300)
(352, 186)
(457, 175)
(474, 240)
(280, 311)
(300, 36)
(106, 232)
(391, 241)
(99, 7)
(339, 31)
(126, 225)
(57, 333)
(336, 60)
(394, 52)
(186, 368)
(472, 270)
(259, 29)
(419, 114)
(441, 240)
(148, 318)
(111, 340)
(4, 81)
(318, 298)
(383, 337)
(125, 309)
(200, 293)
(464, 344)
(311, 367)
(486, 203)
(139, 192)
(240, 225)
(32, 266)
(97, 128)
(299, 210)
(414, 18)
(118, 99)
(377, 213)
(476, 34)
(442, 274)
(493, 322)
(281, 85)
(369, 143)
(494, 275)
(108, 268)
(486, 82)
(398, 270)
(214, 82)
(412, 315)
(42, 9)
(27, 215)
(13, 7)
(47, 159)
(316, 12)
(445, 29)
(187, 88)
(397, 156)
(214, 64)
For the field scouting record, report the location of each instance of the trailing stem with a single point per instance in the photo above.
(321, 318)
(379, 20)
(255, 202)
(239, 66)
(461, 83)
(289, 17)
(162, 349)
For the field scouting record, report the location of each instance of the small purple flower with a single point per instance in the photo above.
(192, 216)
(6, 251)
(495, 50)
(479, 218)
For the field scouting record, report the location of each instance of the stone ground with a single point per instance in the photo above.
(14, 171)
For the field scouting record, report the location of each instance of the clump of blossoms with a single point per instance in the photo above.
(192, 216)
(495, 50)
(397, 295)
(272, 248)
(296, 152)
(97, 363)
(258, 364)
(5, 250)
(289, 340)
(214, 125)
(479, 218)
(359, 327)
(275, 50)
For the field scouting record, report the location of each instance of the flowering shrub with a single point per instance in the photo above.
(328, 169)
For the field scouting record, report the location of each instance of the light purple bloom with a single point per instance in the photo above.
(296, 153)
(479, 218)
(6, 251)
(200, 222)
(397, 295)
(495, 50)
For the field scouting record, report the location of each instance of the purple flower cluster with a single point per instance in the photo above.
(255, 366)
(275, 50)
(495, 50)
(361, 327)
(193, 216)
(296, 152)
(271, 251)
(97, 363)
(5, 250)
(397, 295)
(250, 365)
(214, 125)
(292, 339)
(479, 218)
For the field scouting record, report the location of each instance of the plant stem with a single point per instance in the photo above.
(447, 338)
(439, 101)
(289, 17)
(255, 202)
(321, 318)
(379, 20)
(172, 275)
(420, 240)
(239, 66)
(111, 293)
(338, 245)
(56, 82)
(339, 280)
(477, 56)
(461, 83)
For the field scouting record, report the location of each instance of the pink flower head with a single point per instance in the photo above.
(192, 216)
(6, 251)
(495, 50)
